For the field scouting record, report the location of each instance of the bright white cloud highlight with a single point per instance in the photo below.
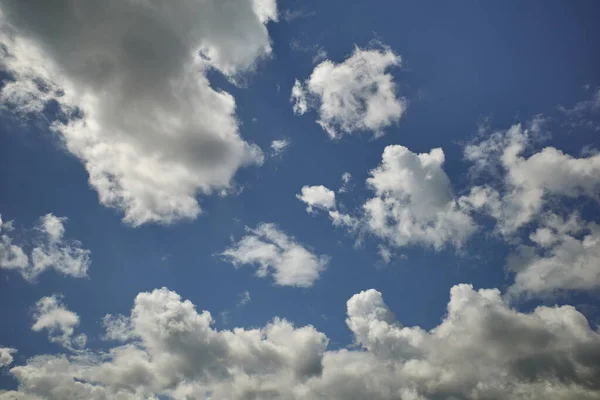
(278, 255)
(51, 314)
(318, 197)
(279, 146)
(481, 349)
(6, 356)
(414, 201)
(136, 106)
(50, 250)
(356, 95)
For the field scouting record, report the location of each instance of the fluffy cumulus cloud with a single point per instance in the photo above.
(564, 254)
(413, 204)
(135, 105)
(6, 356)
(525, 193)
(278, 255)
(358, 94)
(527, 182)
(481, 349)
(317, 197)
(50, 249)
(414, 201)
(50, 314)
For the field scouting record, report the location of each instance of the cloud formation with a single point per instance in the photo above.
(6, 356)
(52, 315)
(50, 250)
(278, 255)
(317, 197)
(358, 94)
(481, 349)
(413, 202)
(527, 183)
(135, 105)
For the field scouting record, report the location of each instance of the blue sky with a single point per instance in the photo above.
(161, 167)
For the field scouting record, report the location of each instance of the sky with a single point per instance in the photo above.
(270, 199)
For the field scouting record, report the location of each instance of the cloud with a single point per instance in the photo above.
(52, 315)
(277, 255)
(527, 183)
(279, 146)
(481, 349)
(50, 250)
(291, 15)
(317, 197)
(584, 107)
(135, 104)
(413, 204)
(355, 95)
(346, 178)
(6, 356)
(564, 255)
(244, 299)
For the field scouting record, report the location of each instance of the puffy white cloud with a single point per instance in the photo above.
(527, 182)
(50, 250)
(52, 315)
(481, 349)
(279, 146)
(564, 255)
(318, 197)
(277, 254)
(6, 356)
(135, 104)
(356, 95)
(414, 203)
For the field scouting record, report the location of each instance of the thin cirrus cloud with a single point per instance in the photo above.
(358, 94)
(127, 89)
(481, 349)
(50, 250)
(276, 255)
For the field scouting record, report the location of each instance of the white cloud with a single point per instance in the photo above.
(564, 255)
(528, 182)
(277, 254)
(6, 356)
(52, 315)
(317, 197)
(12, 256)
(481, 349)
(584, 107)
(414, 203)
(245, 298)
(50, 250)
(385, 253)
(298, 97)
(137, 108)
(346, 178)
(279, 146)
(355, 95)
